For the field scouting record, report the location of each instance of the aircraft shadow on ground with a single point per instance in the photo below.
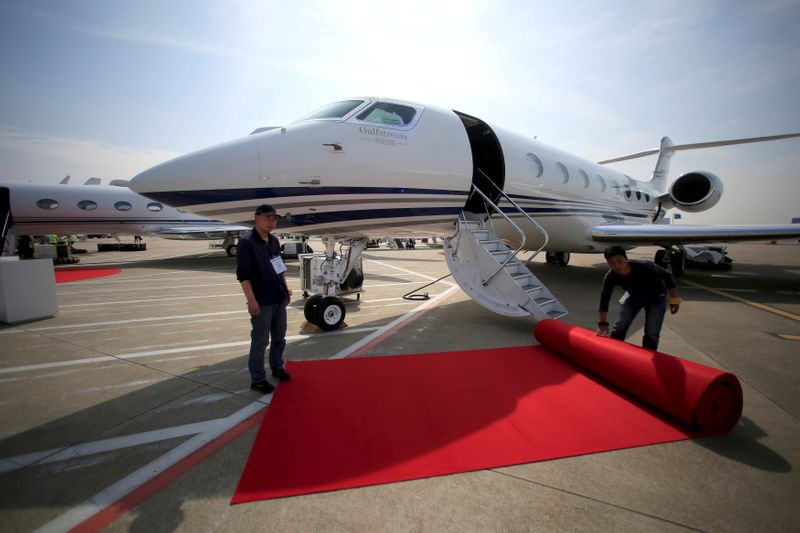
(67, 483)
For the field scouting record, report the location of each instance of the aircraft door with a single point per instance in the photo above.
(488, 165)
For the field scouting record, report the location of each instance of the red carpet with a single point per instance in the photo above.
(65, 275)
(356, 422)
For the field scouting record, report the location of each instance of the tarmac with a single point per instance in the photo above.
(143, 374)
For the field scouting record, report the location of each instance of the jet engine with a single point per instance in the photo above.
(693, 192)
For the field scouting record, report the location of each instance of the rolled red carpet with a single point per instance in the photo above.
(700, 396)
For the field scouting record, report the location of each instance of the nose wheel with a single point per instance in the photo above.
(325, 312)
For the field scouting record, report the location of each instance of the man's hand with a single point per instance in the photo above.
(602, 329)
(673, 308)
(674, 303)
(253, 308)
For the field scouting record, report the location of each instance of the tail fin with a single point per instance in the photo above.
(659, 181)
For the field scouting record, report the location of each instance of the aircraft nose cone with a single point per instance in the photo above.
(230, 165)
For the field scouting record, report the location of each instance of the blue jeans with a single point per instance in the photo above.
(272, 320)
(654, 311)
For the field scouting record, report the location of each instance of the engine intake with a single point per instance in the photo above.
(693, 192)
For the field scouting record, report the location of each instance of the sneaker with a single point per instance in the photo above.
(281, 374)
(263, 386)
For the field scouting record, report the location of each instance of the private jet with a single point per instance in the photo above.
(368, 167)
(93, 208)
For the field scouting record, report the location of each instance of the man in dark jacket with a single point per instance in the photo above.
(260, 270)
(646, 285)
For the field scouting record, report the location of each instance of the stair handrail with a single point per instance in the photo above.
(519, 230)
(512, 202)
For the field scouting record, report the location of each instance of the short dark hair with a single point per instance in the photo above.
(611, 251)
(266, 209)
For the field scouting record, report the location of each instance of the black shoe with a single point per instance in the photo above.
(263, 386)
(281, 374)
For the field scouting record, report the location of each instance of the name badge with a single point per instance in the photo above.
(278, 264)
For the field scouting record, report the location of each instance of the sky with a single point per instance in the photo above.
(109, 88)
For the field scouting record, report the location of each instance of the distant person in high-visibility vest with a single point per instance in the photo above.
(71, 240)
(52, 239)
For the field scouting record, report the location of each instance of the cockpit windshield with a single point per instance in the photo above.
(390, 114)
(334, 110)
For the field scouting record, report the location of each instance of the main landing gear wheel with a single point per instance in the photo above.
(661, 258)
(231, 250)
(329, 313)
(678, 262)
(557, 258)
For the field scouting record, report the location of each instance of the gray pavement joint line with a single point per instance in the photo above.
(593, 499)
(116, 491)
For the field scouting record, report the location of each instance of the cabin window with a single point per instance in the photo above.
(154, 207)
(638, 195)
(602, 183)
(627, 193)
(47, 203)
(334, 110)
(539, 166)
(388, 114)
(646, 197)
(123, 206)
(564, 171)
(87, 205)
(585, 178)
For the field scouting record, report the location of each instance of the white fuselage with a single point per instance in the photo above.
(347, 176)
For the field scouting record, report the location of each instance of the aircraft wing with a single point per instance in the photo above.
(198, 231)
(664, 234)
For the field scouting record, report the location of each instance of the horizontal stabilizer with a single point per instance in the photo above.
(693, 146)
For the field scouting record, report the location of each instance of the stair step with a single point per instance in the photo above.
(555, 313)
(532, 288)
(542, 301)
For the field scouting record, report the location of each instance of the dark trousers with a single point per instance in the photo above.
(271, 321)
(654, 311)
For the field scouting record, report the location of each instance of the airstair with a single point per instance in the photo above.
(491, 273)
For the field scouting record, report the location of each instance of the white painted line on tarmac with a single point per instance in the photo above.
(106, 445)
(393, 324)
(150, 300)
(119, 322)
(184, 349)
(145, 288)
(124, 486)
